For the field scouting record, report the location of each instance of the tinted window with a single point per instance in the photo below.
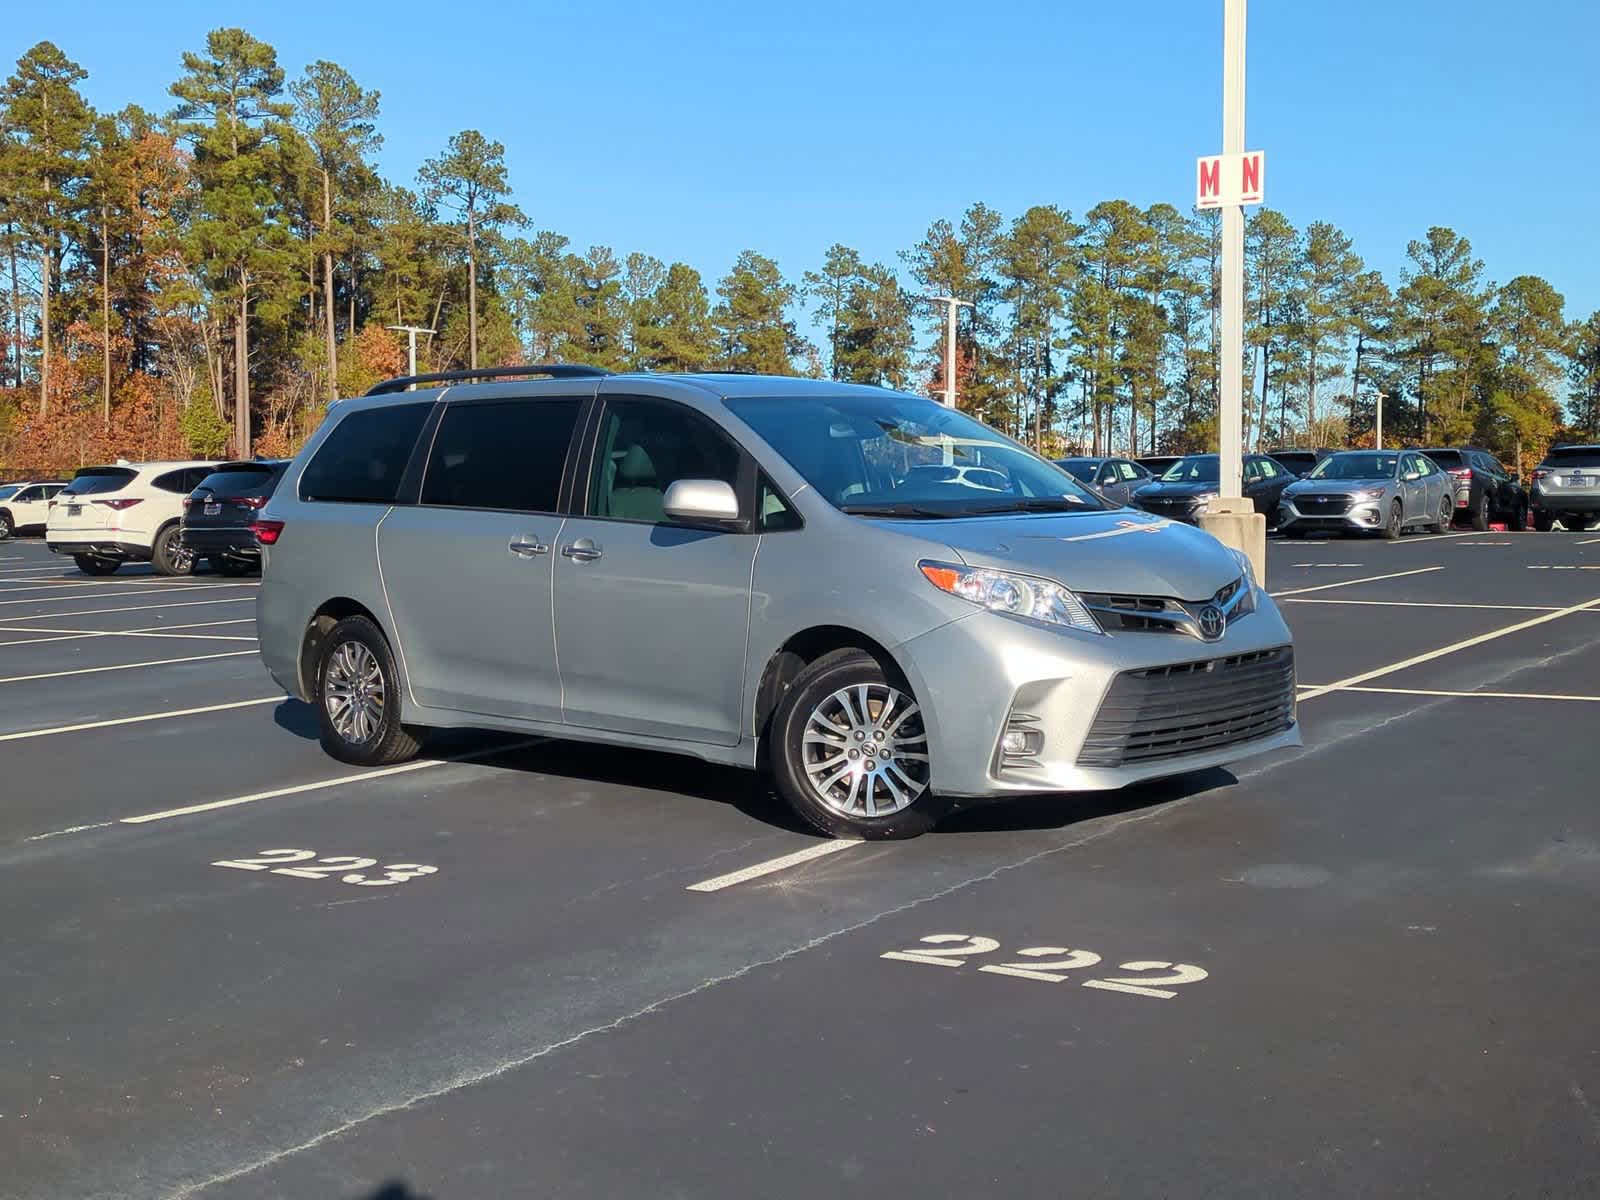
(1108, 474)
(1446, 458)
(504, 456)
(97, 481)
(8, 491)
(644, 448)
(30, 494)
(1573, 456)
(240, 481)
(1128, 471)
(1269, 469)
(365, 456)
(1079, 468)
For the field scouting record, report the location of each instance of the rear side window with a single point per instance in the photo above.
(363, 459)
(1574, 456)
(503, 456)
(240, 481)
(98, 481)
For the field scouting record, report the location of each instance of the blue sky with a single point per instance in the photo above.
(694, 130)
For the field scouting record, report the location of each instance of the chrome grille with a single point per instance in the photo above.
(1164, 712)
(1161, 614)
(1322, 506)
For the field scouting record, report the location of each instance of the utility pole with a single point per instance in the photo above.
(951, 304)
(411, 332)
(1377, 432)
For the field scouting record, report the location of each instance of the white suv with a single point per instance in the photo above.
(125, 513)
(25, 506)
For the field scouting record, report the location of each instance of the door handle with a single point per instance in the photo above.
(582, 550)
(528, 547)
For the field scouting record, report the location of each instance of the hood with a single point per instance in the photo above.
(1340, 487)
(1122, 551)
(1181, 488)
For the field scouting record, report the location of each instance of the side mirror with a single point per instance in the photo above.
(701, 500)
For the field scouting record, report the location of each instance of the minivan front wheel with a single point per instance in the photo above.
(358, 697)
(851, 750)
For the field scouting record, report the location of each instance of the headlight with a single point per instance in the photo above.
(1369, 494)
(1245, 565)
(1027, 596)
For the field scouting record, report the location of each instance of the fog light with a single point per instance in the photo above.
(1021, 742)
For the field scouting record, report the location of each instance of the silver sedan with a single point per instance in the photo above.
(1368, 491)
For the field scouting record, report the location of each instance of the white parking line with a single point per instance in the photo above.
(94, 612)
(160, 716)
(132, 589)
(1412, 539)
(1323, 587)
(1559, 567)
(1468, 643)
(1486, 695)
(143, 631)
(420, 764)
(156, 662)
(1587, 542)
(1327, 564)
(774, 864)
(1425, 604)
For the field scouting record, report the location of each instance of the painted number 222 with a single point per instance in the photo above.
(348, 868)
(1048, 964)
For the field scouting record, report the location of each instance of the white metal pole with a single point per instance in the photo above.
(411, 332)
(1230, 425)
(950, 355)
(1377, 440)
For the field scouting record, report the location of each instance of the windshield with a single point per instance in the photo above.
(10, 490)
(1356, 466)
(1080, 468)
(899, 455)
(1201, 468)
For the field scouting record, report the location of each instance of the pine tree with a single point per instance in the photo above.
(1328, 270)
(674, 331)
(470, 178)
(1369, 307)
(831, 287)
(961, 262)
(873, 339)
(1037, 263)
(47, 122)
(1440, 327)
(757, 335)
(1531, 331)
(338, 120)
(1270, 254)
(1583, 376)
(239, 233)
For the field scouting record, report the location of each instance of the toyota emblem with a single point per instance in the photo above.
(1212, 622)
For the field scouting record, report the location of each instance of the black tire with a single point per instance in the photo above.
(813, 687)
(231, 567)
(168, 556)
(1294, 532)
(90, 564)
(1517, 522)
(390, 741)
(1544, 522)
(1395, 525)
(7, 528)
(1447, 512)
(1480, 513)
(1575, 522)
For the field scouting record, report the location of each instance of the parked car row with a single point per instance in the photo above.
(169, 514)
(25, 506)
(1363, 491)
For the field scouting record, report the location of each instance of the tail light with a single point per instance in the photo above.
(266, 531)
(1539, 473)
(247, 501)
(1461, 472)
(119, 505)
(187, 501)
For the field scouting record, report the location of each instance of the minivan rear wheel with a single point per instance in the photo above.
(358, 697)
(851, 750)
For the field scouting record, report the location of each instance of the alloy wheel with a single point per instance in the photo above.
(353, 692)
(865, 752)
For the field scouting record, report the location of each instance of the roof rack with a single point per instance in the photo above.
(551, 370)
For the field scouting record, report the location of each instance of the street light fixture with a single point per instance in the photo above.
(951, 304)
(411, 332)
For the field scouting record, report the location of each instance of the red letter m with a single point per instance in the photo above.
(1211, 179)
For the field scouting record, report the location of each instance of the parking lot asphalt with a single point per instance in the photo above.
(1363, 968)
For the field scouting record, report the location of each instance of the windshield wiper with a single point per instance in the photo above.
(1032, 504)
(894, 510)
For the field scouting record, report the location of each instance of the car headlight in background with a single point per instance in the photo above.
(1027, 596)
(1368, 494)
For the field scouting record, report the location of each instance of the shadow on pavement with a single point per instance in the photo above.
(395, 1190)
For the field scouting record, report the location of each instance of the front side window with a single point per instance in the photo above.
(502, 456)
(897, 455)
(774, 513)
(363, 459)
(644, 448)
(1128, 471)
(29, 495)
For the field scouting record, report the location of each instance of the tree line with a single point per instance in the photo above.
(203, 281)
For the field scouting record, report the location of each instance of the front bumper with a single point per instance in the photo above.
(100, 548)
(977, 676)
(1338, 514)
(1183, 508)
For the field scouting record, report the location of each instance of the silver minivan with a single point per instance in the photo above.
(760, 572)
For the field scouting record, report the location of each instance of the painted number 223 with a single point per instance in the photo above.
(347, 868)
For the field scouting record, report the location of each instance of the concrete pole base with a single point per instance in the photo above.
(1236, 523)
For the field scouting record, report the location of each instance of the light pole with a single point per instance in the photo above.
(951, 304)
(1229, 424)
(1377, 432)
(411, 332)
